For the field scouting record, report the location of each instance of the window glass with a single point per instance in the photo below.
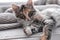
(4, 1)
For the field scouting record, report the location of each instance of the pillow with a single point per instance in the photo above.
(58, 2)
(40, 2)
(51, 2)
(7, 18)
(9, 26)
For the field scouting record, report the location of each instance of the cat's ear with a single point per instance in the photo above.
(14, 7)
(30, 3)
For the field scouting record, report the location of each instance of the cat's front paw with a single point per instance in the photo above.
(27, 31)
(43, 37)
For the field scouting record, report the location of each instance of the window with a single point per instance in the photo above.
(4, 1)
(7, 3)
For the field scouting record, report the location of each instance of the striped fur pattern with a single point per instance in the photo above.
(39, 21)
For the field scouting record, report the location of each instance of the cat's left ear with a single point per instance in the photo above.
(30, 3)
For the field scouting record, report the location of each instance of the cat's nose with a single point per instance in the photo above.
(23, 6)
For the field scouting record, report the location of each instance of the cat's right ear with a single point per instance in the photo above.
(14, 7)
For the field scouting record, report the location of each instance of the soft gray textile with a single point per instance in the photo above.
(9, 26)
(42, 7)
(40, 2)
(58, 2)
(51, 1)
(7, 18)
(54, 12)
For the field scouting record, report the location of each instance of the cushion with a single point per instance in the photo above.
(51, 2)
(40, 2)
(7, 18)
(56, 34)
(9, 26)
(43, 7)
(58, 2)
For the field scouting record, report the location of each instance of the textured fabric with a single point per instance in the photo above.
(58, 2)
(40, 2)
(51, 1)
(9, 26)
(7, 18)
(55, 13)
(43, 7)
(45, 2)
